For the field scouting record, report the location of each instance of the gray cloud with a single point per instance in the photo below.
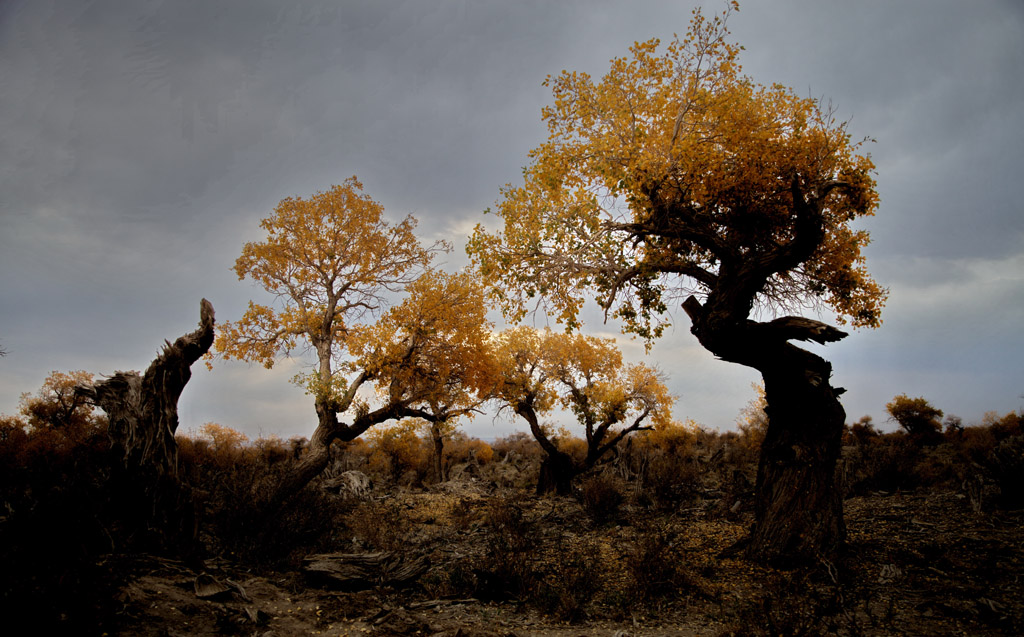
(143, 141)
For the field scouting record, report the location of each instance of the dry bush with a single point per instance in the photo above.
(506, 570)
(397, 453)
(654, 564)
(58, 516)
(380, 524)
(574, 581)
(1006, 464)
(451, 580)
(861, 433)
(672, 481)
(461, 448)
(1003, 427)
(885, 465)
(463, 514)
(232, 483)
(600, 498)
(520, 446)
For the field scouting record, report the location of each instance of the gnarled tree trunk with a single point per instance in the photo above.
(798, 509)
(143, 410)
(143, 418)
(318, 453)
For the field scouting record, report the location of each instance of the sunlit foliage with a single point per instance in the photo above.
(434, 347)
(221, 438)
(543, 370)
(674, 175)
(330, 261)
(58, 408)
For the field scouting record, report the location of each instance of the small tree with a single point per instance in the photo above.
(58, 406)
(915, 415)
(435, 349)
(331, 261)
(583, 374)
(863, 431)
(222, 440)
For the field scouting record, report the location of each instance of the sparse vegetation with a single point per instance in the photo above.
(935, 527)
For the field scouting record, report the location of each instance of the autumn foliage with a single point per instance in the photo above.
(675, 178)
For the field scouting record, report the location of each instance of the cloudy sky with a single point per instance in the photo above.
(142, 141)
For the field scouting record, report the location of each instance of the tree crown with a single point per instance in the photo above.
(676, 175)
(331, 262)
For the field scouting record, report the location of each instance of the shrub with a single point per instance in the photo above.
(885, 465)
(861, 433)
(231, 483)
(600, 497)
(519, 445)
(57, 519)
(379, 524)
(461, 448)
(397, 453)
(917, 417)
(506, 570)
(672, 480)
(577, 576)
(1006, 463)
(653, 564)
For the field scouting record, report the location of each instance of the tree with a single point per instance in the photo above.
(583, 374)
(676, 177)
(915, 415)
(332, 261)
(435, 349)
(222, 440)
(142, 409)
(56, 405)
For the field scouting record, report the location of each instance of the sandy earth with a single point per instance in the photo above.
(917, 564)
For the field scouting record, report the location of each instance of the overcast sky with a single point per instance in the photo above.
(142, 141)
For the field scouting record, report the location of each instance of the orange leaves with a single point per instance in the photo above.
(669, 167)
(223, 440)
(330, 261)
(582, 374)
(915, 415)
(56, 405)
(432, 347)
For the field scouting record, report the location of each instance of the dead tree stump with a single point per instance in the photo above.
(143, 418)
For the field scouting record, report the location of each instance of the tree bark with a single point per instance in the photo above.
(557, 471)
(143, 418)
(798, 509)
(318, 452)
(438, 458)
(143, 410)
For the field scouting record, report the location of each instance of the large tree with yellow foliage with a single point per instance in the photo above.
(540, 371)
(676, 177)
(332, 261)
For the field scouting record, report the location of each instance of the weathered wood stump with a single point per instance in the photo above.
(143, 417)
(356, 571)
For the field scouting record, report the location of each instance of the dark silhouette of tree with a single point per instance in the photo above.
(915, 415)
